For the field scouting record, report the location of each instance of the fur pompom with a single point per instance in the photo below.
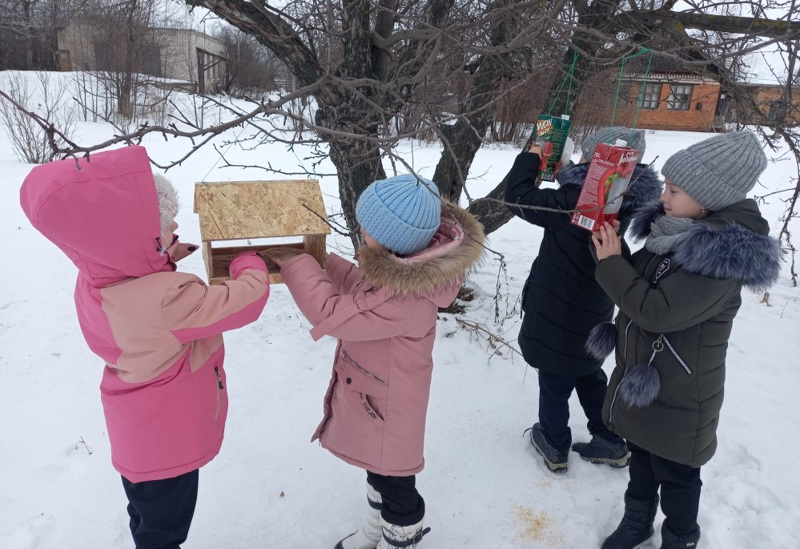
(601, 340)
(640, 387)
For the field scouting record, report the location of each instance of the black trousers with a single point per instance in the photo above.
(161, 511)
(402, 505)
(680, 488)
(554, 393)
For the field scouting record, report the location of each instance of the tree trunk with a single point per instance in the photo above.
(357, 164)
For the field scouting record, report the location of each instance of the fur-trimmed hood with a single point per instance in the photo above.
(456, 247)
(645, 188)
(730, 243)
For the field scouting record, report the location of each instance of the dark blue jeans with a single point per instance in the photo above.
(161, 511)
(402, 505)
(680, 488)
(554, 393)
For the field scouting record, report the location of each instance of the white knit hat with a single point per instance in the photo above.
(167, 200)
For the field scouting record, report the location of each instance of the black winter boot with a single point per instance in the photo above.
(673, 541)
(554, 458)
(601, 450)
(636, 526)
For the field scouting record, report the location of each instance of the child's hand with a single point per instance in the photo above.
(535, 149)
(281, 255)
(606, 241)
(179, 250)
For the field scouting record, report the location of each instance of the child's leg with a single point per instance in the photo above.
(680, 494)
(401, 503)
(161, 511)
(643, 484)
(554, 393)
(641, 503)
(591, 390)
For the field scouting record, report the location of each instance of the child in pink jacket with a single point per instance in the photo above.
(383, 312)
(159, 331)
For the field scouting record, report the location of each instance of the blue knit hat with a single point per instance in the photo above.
(401, 213)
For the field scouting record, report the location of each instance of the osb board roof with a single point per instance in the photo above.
(259, 209)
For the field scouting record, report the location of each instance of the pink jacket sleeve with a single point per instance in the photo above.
(194, 310)
(343, 274)
(362, 316)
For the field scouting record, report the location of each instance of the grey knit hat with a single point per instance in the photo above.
(719, 171)
(634, 138)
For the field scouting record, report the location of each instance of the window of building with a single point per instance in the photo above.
(777, 111)
(651, 96)
(679, 98)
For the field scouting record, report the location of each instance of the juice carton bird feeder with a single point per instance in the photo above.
(246, 210)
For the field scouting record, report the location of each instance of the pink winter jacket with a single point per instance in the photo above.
(384, 314)
(159, 331)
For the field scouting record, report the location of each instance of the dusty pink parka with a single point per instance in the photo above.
(159, 331)
(384, 314)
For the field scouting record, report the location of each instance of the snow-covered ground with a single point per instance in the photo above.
(484, 486)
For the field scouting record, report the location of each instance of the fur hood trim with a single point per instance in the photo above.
(645, 188)
(722, 245)
(456, 247)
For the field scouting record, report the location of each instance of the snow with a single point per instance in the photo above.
(483, 485)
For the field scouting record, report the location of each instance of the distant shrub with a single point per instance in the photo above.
(49, 98)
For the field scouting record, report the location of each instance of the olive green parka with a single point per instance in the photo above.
(676, 312)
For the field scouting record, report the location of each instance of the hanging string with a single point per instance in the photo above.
(619, 86)
(640, 99)
(570, 76)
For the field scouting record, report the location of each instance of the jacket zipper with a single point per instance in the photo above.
(624, 373)
(220, 387)
(362, 369)
(677, 356)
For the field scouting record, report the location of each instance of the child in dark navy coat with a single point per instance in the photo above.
(562, 301)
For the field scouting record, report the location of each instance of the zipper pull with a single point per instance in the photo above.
(219, 377)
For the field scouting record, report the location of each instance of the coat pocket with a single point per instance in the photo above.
(366, 387)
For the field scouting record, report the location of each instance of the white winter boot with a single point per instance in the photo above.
(401, 536)
(368, 536)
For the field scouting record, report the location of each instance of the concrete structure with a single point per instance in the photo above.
(184, 55)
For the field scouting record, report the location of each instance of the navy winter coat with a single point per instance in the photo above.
(561, 299)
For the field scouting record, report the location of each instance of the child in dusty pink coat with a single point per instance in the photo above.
(158, 331)
(383, 311)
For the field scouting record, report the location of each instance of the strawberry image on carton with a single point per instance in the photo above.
(551, 134)
(608, 178)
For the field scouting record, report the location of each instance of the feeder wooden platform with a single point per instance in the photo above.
(245, 210)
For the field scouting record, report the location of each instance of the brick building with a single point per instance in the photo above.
(664, 101)
(771, 101)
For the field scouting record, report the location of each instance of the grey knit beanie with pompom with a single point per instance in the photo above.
(719, 171)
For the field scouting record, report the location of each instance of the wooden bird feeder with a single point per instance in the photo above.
(246, 210)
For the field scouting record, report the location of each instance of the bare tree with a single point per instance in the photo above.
(378, 71)
(251, 68)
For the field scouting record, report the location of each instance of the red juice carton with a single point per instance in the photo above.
(608, 178)
(551, 135)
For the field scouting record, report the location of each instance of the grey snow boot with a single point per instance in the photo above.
(636, 526)
(672, 541)
(370, 533)
(555, 459)
(601, 450)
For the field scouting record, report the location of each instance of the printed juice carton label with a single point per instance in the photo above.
(551, 135)
(607, 179)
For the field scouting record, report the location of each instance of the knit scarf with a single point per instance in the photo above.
(666, 233)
